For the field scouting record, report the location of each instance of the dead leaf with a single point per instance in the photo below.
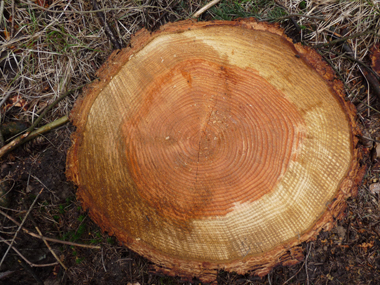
(341, 231)
(16, 101)
(374, 188)
(366, 245)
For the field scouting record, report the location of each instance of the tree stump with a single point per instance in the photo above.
(215, 145)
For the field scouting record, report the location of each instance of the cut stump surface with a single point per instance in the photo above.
(215, 145)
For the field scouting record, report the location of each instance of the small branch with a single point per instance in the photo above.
(368, 106)
(25, 137)
(47, 238)
(52, 252)
(104, 267)
(163, 14)
(1, 10)
(47, 109)
(5, 274)
(46, 128)
(376, 141)
(29, 136)
(30, 270)
(139, 9)
(303, 265)
(306, 258)
(110, 34)
(13, 19)
(296, 15)
(1, 138)
(6, 97)
(24, 258)
(368, 73)
(19, 227)
(343, 39)
(205, 8)
(368, 68)
(12, 145)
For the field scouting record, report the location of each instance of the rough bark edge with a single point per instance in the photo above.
(375, 58)
(289, 253)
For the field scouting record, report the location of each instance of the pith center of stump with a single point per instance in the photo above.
(202, 131)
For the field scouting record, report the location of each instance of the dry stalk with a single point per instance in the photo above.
(47, 238)
(52, 252)
(26, 137)
(24, 258)
(205, 8)
(20, 227)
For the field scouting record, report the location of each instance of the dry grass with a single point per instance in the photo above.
(341, 19)
(50, 49)
(59, 48)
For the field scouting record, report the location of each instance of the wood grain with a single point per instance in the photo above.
(211, 146)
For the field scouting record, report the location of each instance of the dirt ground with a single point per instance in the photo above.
(349, 254)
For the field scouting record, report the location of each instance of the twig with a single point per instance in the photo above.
(6, 97)
(24, 258)
(286, 282)
(47, 109)
(304, 264)
(47, 238)
(343, 39)
(46, 128)
(368, 73)
(335, 70)
(163, 14)
(1, 10)
(205, 8)
(13, 19)
(24, 138)
(376, 141)
(30, 270)
(19, 227)
(140, 9)
(362, 64)
(13, 144)
(105, 270)
(52, 252)
(372, 81)
(307, 257)
(5, 274)
(368, 106)
(47, 188)
(1, 137)
(296, 15)
(110, 34)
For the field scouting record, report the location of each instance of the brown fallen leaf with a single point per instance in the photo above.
(366, 244)
(374, 188)
(16, 101)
